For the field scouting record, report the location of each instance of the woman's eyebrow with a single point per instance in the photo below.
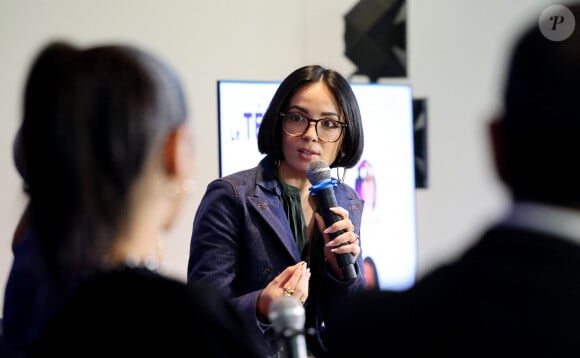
(301, 109)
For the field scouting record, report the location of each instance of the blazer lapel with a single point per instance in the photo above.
(274, 216)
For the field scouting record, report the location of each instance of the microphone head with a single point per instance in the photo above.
(318, 171)
(287, 314)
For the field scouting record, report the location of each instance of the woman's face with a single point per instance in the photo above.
(313, 101)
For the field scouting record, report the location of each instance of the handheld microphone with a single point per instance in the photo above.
(318, 174)
(288, 317)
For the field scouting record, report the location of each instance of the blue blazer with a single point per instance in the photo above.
(241, 240)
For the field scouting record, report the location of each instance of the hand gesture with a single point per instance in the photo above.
(293, 281)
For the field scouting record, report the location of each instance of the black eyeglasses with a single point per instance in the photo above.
(327, 130)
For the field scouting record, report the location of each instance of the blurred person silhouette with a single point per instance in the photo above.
(18, 157)
(257, 234)
(29, 297)
(371, 274)
(515, 291)
(365, 185)
(108, 155)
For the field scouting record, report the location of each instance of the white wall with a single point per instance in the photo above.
(456, 54)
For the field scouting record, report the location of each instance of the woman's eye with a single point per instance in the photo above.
(297, 118)
(330, 123)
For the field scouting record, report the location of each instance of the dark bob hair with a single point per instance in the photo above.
(270, 132)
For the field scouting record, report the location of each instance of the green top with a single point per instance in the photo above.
(293, 208)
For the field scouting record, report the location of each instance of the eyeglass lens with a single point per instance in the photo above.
(329, 130)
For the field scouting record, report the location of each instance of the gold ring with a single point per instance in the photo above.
(288, 291)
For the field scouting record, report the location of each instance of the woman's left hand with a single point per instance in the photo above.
(346, 243)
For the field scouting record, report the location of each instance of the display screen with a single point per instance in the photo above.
(384, 177)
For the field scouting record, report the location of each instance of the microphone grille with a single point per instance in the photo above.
(287, 313)
(318, 171)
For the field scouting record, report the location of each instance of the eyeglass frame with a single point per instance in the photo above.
(310, 120)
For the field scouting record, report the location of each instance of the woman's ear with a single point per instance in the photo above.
(177, 152)
(498, 147)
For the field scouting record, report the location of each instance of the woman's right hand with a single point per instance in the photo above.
(293, 281)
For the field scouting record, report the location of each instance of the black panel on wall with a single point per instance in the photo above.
(376, 38)
(420, 141)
